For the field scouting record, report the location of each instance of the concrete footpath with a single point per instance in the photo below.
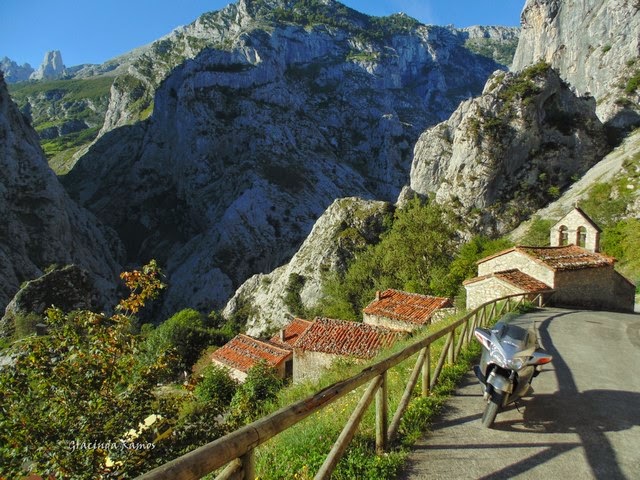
(582, 421)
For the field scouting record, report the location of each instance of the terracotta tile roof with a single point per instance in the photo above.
(340, 337)
(243, 352)
(291, 332)
(406, 307)
(569, 257)
(515, 277)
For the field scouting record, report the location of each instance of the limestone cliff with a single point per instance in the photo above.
(41, 225)
(510, 151)
(594, 45)
(270, 300)
(250, 142)
(13, 72)
(51, 68)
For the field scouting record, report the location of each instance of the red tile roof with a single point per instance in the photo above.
(406, 307)
(291, 333)
(516, 278)
(243, 352)
(340, 337)
(569, 257)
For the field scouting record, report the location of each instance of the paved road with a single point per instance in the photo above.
(582, 422)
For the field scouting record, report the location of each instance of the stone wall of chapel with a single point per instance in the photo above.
(573, 221)
(486, 290)
(518, 260)
(595, 289)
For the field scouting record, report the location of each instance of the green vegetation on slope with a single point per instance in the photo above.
(608, 205)
(421, 252)
(500, 51)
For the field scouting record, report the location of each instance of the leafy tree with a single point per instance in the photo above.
(184, 334)
(70, 397)
(261, 386)
(216, 387)
(414, 255)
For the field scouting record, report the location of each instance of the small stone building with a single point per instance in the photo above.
(328, 339)
(500, 284)
(243, 352)
(579, 276)
(405, 311)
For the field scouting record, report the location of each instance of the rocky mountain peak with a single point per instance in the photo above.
(51, 68)
(13, 72)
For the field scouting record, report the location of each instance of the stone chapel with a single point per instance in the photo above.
(571, 271)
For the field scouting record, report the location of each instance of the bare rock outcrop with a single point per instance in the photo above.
(68, 288)
(270, 300)
(594, 45)
(510, 151)
(41, 225)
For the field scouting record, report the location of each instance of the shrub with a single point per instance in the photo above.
(216, 387)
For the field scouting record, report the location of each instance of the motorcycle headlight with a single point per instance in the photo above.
(516, 363)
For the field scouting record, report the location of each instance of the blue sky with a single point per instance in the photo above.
(87, 31)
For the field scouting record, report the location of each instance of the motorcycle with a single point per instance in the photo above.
(511, 358)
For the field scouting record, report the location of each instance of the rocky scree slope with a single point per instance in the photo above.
(594, 45)
(510, 151)
(41, 225)
(270, 300)
(248, 146)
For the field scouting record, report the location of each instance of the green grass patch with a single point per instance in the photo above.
(71, 90)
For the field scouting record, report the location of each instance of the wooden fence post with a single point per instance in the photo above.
(249, 465)
(451, 355)
(382, 416)
(426, 371)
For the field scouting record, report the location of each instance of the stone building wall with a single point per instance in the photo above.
(390, 323)
(593, 288)
(573, 221)
(520, 261)
(309, 365)
(486, 290)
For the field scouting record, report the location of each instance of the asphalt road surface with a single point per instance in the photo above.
(582, 421)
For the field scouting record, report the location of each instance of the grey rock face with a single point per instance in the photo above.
(512, 150)
(594, 45)
(41, 225)
(68, 288)
(14, 73)
(347, 226)
(51, 67)
(248, 146)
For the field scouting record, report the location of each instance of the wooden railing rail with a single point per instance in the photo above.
(236, 448)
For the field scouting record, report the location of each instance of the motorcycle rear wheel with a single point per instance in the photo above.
(491, 410)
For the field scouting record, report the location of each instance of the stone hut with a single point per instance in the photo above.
(500, 284)
(405, 311)
(328, 339)
(243, 352)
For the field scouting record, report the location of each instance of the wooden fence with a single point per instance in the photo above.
(235, 450)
